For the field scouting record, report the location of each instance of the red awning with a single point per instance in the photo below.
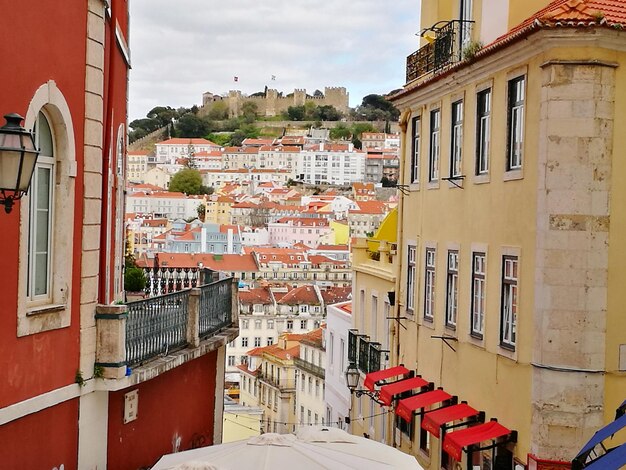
(407, 406)
(433, 421)
(454, 442)
(387, 392)
(373, 377)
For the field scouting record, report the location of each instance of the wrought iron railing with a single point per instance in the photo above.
(163, 280)
(352, 346)
(363, 359)
(156, 326)
(309, 367)
(374, 356)
(215, 306)
(445, 49)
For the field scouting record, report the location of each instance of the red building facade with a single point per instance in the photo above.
(65, 69)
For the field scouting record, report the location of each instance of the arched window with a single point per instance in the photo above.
(41, 209)
(47, 222)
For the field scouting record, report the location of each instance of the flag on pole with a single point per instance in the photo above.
(273, 77)
(235, 79)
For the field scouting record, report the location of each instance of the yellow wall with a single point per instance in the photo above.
(238, 425)
(497, 215)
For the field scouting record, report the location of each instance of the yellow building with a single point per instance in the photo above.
(511, 226)
(217, 209)
(268, 381)
(372, 344)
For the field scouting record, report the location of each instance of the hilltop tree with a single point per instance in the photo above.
(188, 181)
(190, 125)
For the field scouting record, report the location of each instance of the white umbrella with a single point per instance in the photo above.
(312, 448)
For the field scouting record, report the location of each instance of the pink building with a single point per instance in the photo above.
(290, 230)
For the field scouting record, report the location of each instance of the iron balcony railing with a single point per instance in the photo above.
(306, 366)
(215, 306)
(446, 48)
(159, 325)
(155, 326)
(365, 354)
(163, 280)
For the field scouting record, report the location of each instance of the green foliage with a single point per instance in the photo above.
(327, 113)
(98, 371)
(359, 128)
(221, 139)
(190, 125)
(318, 94)
(188, 181)
(376, 108)
(471, 49)
(134, 280)
(78, 378)
(246, 131)
(219, 111)
(296, 113)
(339, 132)
(248, 112)
(356, 142)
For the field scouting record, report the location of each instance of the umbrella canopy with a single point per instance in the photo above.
(311, 448)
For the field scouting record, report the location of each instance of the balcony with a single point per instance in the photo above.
(166, 329)
(310, 368)
(365, 354)
(445, 50)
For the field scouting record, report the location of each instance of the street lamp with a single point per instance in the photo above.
(18, 157)
(352, 379)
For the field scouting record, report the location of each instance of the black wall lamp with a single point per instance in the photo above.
(18, 157)
(352, 379)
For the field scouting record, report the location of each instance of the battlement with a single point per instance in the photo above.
(274, 103)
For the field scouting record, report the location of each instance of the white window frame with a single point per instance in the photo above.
(509, 307)
(430, 259)
(456, 139)
(411, 275)
(515, 123)
(435, 145)
(53, 311)
(415, 150)
(483, 131)
(452, 289)
(479, 294)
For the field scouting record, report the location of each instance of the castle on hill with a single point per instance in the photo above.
(273, 103)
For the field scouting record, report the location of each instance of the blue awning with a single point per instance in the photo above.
(604, 433)
(613, 460)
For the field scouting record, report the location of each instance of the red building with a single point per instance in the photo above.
(86, 383)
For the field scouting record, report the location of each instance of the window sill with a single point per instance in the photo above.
(44, 309)
(513, 175)
(481, 179)
(507, 351)
(433, 184)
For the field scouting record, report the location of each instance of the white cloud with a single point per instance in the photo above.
(182, 49)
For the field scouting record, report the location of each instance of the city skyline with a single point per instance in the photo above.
(282, 45)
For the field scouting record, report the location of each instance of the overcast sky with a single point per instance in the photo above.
(181, 49)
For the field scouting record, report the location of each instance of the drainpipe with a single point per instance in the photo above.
(403, 121)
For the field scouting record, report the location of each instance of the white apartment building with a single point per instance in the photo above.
(170, 205)
(336, 164)
(280, 157)
(338, 322)
(170, 150)
(216, 178)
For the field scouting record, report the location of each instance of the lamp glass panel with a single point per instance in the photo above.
(10, 140)
(30, 159)
(9, 167)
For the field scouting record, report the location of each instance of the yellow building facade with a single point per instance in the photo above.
(510, 225)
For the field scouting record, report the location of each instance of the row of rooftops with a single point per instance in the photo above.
(285, 295)
(253, 259)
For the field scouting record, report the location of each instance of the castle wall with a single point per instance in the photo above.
(273, 104)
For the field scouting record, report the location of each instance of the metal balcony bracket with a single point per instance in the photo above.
(445, 339)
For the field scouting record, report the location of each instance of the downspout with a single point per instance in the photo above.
(106, 160)
(403, 121)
